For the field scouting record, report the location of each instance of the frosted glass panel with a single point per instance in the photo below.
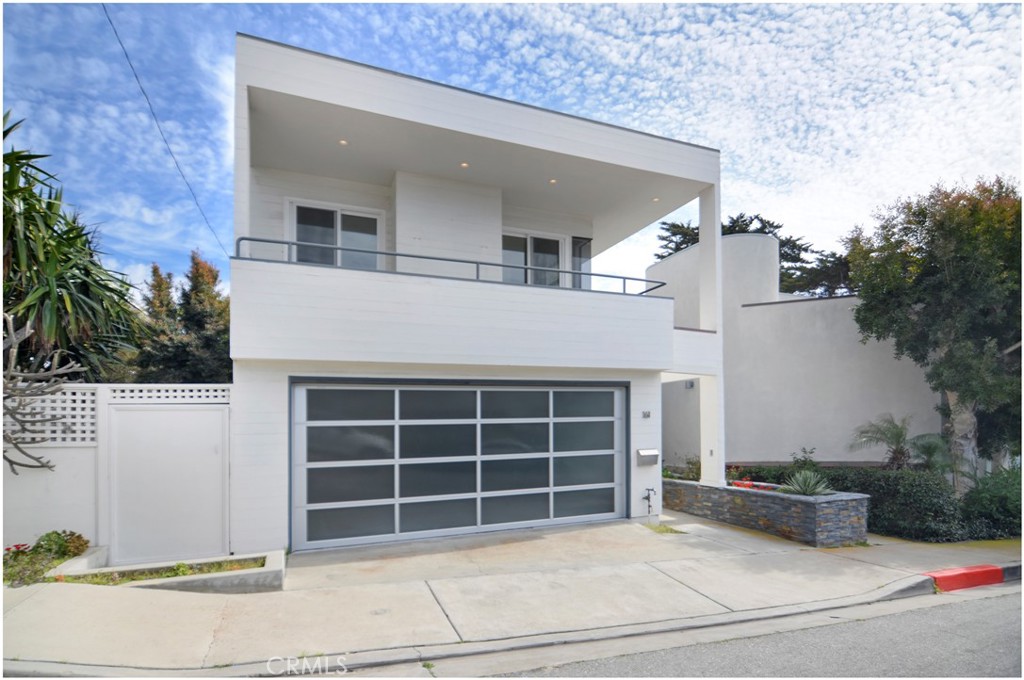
(501, 475)
(437, 515)
(501, 509)
(349, 443)
(513, 252)
(437, 404)
(584, 404)
(514, 404)
(432, 441)
(359, 232)
(350, 404)
(584, 436)
(545, 254)
(333, 523)
(336, 485)
(313, 225)
(584, 470)
(437, 479)
(591, 502)
(514, 438)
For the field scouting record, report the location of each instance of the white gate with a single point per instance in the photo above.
(168, 468)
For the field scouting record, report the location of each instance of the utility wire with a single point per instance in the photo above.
(160, 129)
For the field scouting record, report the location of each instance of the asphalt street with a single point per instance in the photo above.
(972, 638)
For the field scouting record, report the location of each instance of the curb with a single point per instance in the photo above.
(947, 580)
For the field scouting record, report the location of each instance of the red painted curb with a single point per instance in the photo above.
(966, 577)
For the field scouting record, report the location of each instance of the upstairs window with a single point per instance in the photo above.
(525, 250)
(321, 227)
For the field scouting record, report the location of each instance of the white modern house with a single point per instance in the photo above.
(796, 373)
(420, 346)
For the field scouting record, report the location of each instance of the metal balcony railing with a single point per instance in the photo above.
(296, 252)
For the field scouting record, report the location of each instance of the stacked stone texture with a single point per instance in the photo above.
(822, 521)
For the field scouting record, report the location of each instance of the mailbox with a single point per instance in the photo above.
(647, 457)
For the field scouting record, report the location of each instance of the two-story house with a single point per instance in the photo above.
(420, 345)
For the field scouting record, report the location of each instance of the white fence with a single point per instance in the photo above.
(139, 468)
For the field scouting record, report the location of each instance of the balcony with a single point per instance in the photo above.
(384, 307)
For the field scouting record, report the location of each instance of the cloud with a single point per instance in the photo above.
(822, 112)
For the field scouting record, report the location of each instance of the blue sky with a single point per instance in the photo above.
(823, 113)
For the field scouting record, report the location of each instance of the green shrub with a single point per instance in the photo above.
(52, 543)
(914, 504)
(691, 469)
(770, 474)
(993, 505)
(805, 459)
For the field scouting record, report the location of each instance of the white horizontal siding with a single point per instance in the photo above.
(441, 218)
(270, 189)
(283, 311)
(532, 219)
(696, 352)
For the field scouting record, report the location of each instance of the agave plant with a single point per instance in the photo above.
(806, 483)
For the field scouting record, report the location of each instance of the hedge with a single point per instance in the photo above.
(920, 505)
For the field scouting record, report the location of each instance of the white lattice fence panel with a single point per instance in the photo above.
(74, 410)
(170, 394)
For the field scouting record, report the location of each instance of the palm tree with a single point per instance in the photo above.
(55, 287)
(888, 432)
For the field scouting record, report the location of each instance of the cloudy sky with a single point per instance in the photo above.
(823, 113)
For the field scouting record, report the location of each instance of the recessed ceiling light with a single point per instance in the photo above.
(463, 164)
(552, 181)
(343, 142)
(655, 199)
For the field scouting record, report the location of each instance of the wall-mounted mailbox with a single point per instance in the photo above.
(647, 457)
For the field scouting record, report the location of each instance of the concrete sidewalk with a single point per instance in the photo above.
(435, 599)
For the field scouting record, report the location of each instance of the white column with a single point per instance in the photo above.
(712, 398)
(712, 432)
(710, 252)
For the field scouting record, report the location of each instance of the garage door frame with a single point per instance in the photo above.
(622, 447)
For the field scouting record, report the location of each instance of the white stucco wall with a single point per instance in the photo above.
(795, 372)
(37, 501)
(261, 468)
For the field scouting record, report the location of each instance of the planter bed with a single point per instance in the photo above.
(822, 521)
(261, 579)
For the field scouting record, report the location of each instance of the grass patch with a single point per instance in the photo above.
(114, 578)
(664, 529)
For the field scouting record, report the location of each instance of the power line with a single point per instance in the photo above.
(160, 129)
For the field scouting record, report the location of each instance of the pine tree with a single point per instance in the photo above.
(190, 335)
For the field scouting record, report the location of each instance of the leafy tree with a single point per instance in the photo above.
(827, 276)
(678, 236)
(190, 335)
(66, 306)
(940, 277)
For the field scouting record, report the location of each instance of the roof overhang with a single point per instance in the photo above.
(620, 179)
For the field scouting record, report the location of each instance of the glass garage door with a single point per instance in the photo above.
(379, 463)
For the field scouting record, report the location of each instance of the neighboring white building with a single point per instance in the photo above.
(796, 372)
(420, 348)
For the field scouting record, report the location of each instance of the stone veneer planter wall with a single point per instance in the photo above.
(821, 521)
